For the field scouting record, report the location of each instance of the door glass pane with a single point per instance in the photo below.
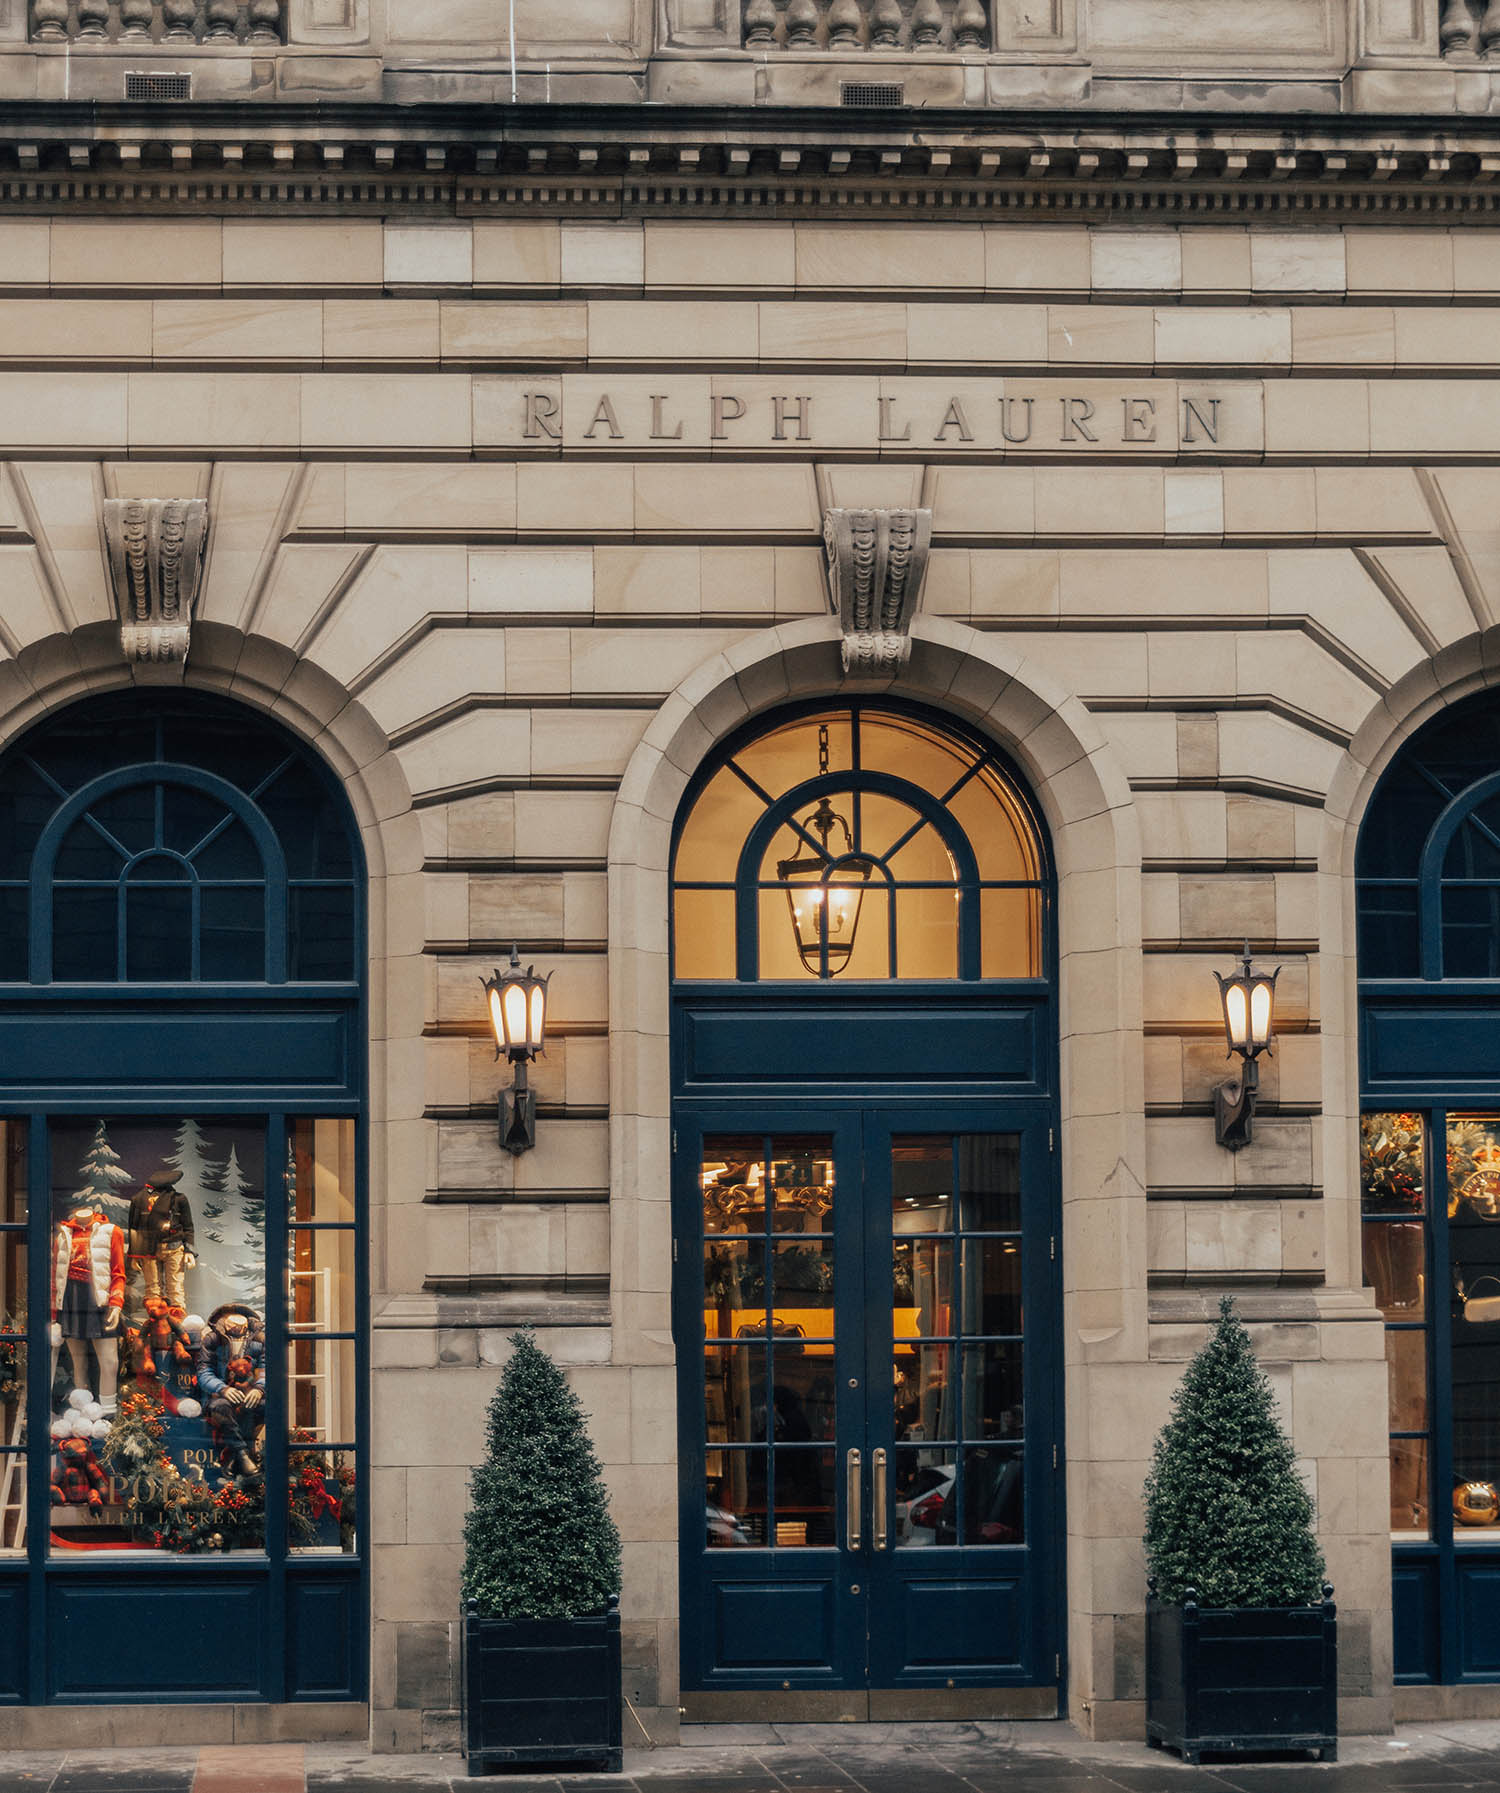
(970, 1391)
(993, 1508)
(768, 1311)
(802, 1285)
(926, 1401)
(923, 1272)
(735, 1504)
(158, 1390)
(734, 1387)
(992, 1285)
(989, 1180)
(804, 1498)
(923, 1482)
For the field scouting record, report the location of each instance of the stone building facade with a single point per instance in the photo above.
(515, 381)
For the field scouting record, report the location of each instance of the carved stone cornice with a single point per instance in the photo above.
(877, 561)
(155, 565)
(703, 161)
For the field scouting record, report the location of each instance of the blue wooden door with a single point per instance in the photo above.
(864, 1306)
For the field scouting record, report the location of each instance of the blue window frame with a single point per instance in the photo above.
(1428, 903)
(181, 954)
(174, 849)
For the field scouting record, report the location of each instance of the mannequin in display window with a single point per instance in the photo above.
(162, 1245)
(88, 1292)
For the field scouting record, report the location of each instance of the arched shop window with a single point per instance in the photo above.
(861, 841)
(181, 1207)
(1428, 869)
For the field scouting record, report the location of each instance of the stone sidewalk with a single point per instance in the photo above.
(892, 1758)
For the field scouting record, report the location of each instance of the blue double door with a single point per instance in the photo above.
(866, 1303)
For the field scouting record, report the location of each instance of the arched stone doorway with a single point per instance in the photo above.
(867, 1299)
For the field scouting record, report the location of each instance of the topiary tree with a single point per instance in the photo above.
(538, 1540)
(1226, 1513)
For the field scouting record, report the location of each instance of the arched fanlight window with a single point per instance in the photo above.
(1428, 863)
(171, 841)
(863, 841)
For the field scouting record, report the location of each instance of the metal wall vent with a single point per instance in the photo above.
(872, 93)
(158, 87)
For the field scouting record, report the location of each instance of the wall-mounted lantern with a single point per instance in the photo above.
(518, 1015)
(1249, 1002)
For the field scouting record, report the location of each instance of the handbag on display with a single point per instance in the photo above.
(1480, 1310)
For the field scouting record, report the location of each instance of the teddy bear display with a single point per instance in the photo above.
(161, 1336)
(78, 1481)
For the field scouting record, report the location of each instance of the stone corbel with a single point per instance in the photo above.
(155, 565)
(877, 560)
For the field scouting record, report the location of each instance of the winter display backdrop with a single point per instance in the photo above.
(101, 1164)
(105, 1162)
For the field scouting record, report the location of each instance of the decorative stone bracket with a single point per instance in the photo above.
(155, 565)
(877, 560)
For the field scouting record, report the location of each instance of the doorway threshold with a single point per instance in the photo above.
(823, 1705)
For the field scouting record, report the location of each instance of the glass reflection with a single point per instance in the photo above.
(1395, 1257)
(804, 1498)
(923, 1483)
(993, 1507)
(734, 1387)
(1409, 1498)
(925, 1402)
(1406, 1354)
(992, 1285)
(992, 1391)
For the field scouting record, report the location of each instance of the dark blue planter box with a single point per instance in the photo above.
(541, 1691)
(1242, 1678)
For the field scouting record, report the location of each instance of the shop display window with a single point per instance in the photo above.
(1473, 1367)
(157, 1288)
(163, 1377)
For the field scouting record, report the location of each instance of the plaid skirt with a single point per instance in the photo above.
(79, 1317)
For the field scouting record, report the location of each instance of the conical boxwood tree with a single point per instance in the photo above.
(538, 1540)
(1226, 1513)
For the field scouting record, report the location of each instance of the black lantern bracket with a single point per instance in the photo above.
(518, 1114)
(1234, 1106)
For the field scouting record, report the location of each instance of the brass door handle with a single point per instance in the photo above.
(853, 1502)
(877, 1464)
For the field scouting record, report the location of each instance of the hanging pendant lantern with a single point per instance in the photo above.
(825, 893)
